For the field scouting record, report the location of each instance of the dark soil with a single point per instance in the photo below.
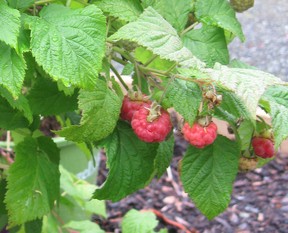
(259, 201)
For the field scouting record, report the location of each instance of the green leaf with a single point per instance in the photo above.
(12, 69)
(164, 156)
(33, 180)
(81, 191)
(246, 131)
(85, 226)
(208, 174)
(130, 162)
(219, 13)
(20, 4)
(162, 38)
(11, 118)
(231, 108)
(208, 44)
(277, 96)
(240, 64)
(127, 10)
(10, 24)
(50, 224)
(174, 11)
(20, 104)
(247, 84)
(101, 109)
(45, 98)
(186, 98)
(2, 196)
(143, 55)
(140, 222)
(34, 226)
(70, 44)
(128, 69)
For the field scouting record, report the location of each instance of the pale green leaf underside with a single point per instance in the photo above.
(127, 10)
(101, 109)
(84, 226)
(186, 98)
(208, 174)
(33, 180)
(130, 163)
(174, 11)
(12, 69)
(70, 44)
(219, 13)
(208, 44)
(10, 24)
(81, 191)
(248, 84)
(277, 96)
(162, 38)
(140, 222)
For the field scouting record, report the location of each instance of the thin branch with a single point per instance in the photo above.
(188, 28)
(151, 60)
(119, 60)
(119, 77)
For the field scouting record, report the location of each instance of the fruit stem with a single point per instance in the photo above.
(188, 29)
(119, 77)
(138, 75)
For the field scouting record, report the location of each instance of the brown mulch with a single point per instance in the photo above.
(259, 202)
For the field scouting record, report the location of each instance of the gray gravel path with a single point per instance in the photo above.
(266, 29)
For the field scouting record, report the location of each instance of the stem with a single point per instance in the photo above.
(119, 77)
(138, 75)
(4, 166)
(165, 91)
(151, 60)
(124, 54)
(108, 26)
(68, 3)
(119, 60)
(41, 2)
(8, 140)
(188, 29)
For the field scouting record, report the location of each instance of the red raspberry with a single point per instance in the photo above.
(198, 135)
(151, 131)
(263, 147)
(129, 106)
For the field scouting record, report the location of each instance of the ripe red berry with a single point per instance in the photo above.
(263, 147)
(154, 130)
(198, 135)
(129, 107)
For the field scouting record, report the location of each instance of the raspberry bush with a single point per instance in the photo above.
(58, 59)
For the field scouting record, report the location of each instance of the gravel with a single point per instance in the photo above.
(266, 29)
